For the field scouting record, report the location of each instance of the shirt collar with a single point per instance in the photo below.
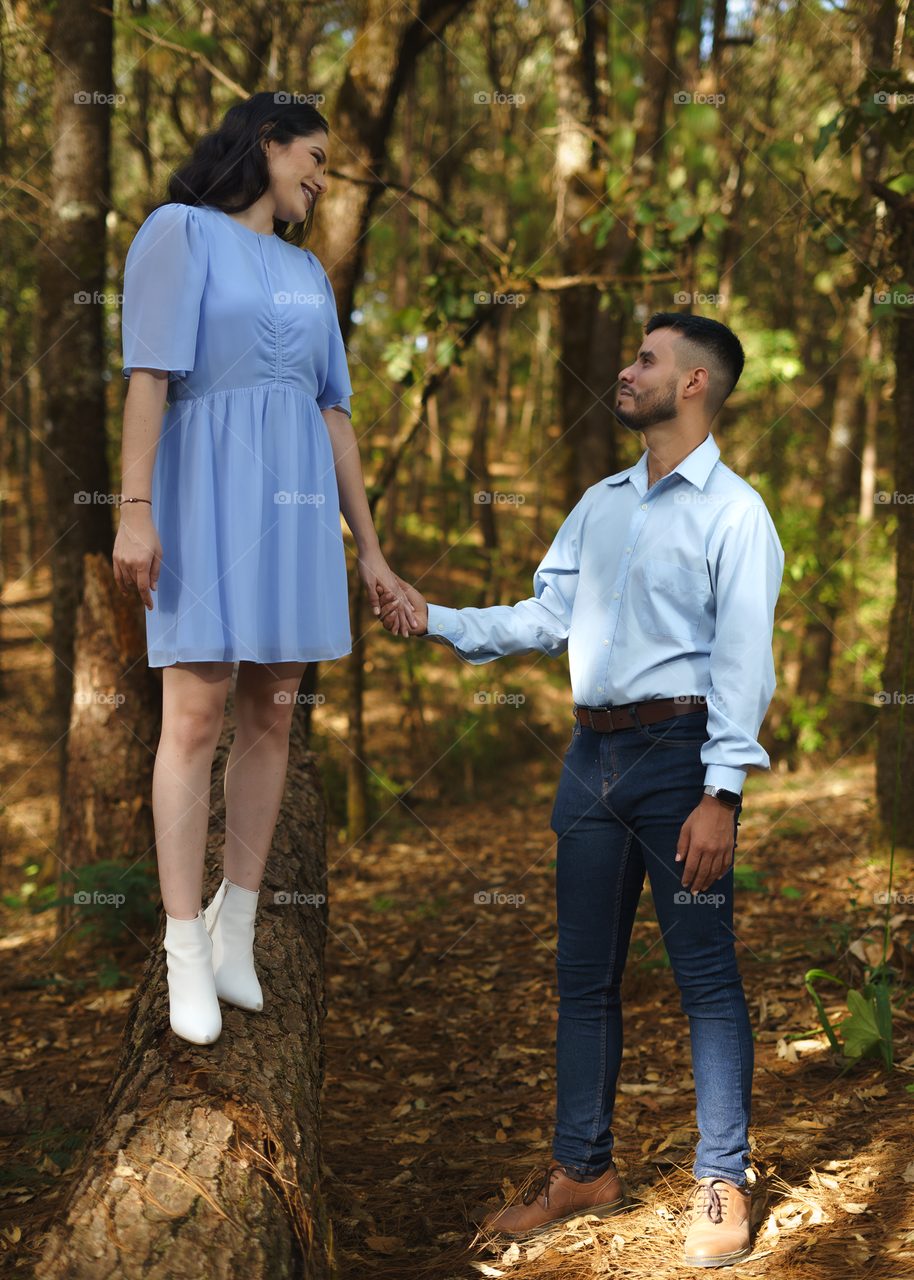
(695, 467)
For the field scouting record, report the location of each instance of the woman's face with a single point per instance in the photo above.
(297, 175)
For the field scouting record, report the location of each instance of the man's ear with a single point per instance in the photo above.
(696, 383)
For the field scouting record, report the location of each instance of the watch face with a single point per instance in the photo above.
(729, 797)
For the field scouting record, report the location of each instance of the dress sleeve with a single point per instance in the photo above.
(337, 389)
(164, 278)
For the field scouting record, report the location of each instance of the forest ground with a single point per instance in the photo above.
(440, 1028)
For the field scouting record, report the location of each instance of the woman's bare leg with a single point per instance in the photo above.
(256, 770)
(193, 707)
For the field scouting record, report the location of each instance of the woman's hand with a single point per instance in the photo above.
(137, 552)
(378, 578)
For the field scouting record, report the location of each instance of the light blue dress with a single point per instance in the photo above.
(244, 494)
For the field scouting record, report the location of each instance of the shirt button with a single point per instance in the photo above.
(628, 550)
(599, 688)
(440, 626)
(644, 506)
(616, 596)
(606, 642)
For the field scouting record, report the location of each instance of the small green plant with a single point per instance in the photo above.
(748, 878)
(111, 900)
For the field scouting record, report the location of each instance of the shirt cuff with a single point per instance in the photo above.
(721, 775)
(442, 623)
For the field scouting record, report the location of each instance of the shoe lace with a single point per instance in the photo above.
(708, 1202)
(541, 1184)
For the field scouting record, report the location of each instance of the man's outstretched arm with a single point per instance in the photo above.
(540, 624)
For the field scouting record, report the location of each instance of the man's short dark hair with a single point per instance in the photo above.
(709, 343)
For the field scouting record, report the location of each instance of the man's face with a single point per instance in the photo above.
(649, 388)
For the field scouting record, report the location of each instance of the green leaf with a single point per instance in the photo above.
(825, 135)
(884, 1024)
(860, 1029)
(788, 891)
(687, 227)
(823, 1017)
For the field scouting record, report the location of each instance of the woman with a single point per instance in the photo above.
(230, 511)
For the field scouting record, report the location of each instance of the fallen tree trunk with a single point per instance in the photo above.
(206, 1159)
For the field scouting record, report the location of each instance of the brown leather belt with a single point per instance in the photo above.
(609, 719)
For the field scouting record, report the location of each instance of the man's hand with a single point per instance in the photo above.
(419, 625)
(706, 844)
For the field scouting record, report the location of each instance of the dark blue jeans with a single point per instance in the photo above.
(621, 803)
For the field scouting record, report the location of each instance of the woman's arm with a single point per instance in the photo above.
(137, 550)
(376, 576)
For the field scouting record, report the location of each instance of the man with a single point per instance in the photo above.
(661, 584)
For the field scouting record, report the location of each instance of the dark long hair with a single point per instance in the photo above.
(227, 168)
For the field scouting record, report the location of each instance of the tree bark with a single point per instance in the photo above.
(115, 722)
(206, 1159)
(388, 42)
(895, 747)
(72, 338)
(592, 322)
(840, 499)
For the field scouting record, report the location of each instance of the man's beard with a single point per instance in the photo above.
(649, 408)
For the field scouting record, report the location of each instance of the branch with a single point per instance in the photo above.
(179, 48)
(408, 433)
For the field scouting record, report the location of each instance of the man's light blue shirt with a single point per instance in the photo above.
(655, 592)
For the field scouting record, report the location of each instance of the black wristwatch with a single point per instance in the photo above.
(730, 798)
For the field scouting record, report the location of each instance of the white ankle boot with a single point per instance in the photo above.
(230, 922)
(193, 1005)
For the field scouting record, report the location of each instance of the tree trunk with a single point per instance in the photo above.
(592, 322)
(840, 499)
(72, 283)
(115, 721)
(388, 41)
(893, 776)
(206, 1159)
(357, 770)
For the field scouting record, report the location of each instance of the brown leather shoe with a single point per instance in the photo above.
(718, 1233)
(554, 1197)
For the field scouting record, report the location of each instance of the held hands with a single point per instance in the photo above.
(137, 556)
(706, 844)
(417, 603)
(385, 588)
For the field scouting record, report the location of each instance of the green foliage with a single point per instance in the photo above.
(112, 901)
